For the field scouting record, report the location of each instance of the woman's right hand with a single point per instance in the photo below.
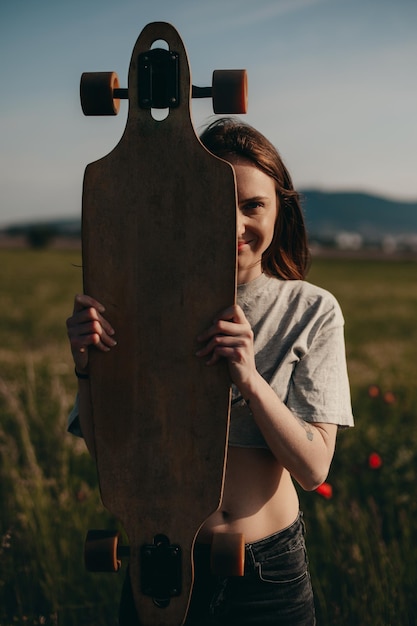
(87, 327)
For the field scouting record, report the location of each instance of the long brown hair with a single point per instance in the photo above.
(288, 255)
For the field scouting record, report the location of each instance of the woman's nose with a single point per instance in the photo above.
(240, 220)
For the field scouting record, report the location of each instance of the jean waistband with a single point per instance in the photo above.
(279, 542)
(257, 551)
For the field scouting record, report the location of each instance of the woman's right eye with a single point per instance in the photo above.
(253, 206)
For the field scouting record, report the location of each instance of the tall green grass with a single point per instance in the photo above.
(48, 486)
(362, 539)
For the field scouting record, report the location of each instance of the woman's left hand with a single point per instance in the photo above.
(231, 337)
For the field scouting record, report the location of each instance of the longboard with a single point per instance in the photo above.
(159, 251)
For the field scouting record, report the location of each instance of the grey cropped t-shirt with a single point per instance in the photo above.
(299, 350)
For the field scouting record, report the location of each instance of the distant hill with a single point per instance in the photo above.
(373, 217)
(327, 215)
(41, 233)
(68, 226)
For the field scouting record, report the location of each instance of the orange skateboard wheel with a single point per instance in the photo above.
(100, 551)
(230, 91)
(228, 554)
(97, 93)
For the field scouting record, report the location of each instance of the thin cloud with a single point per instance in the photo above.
(220, 16)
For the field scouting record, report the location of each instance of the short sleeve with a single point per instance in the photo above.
(319, 387)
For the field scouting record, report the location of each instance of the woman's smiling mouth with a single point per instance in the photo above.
(241, 244)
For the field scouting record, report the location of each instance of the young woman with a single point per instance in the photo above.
(284, 345)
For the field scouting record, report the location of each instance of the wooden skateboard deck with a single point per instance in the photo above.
(159, 251)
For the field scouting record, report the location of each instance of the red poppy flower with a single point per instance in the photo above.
(374, 460)
(389, 397)
(373, 391)
(325, 490)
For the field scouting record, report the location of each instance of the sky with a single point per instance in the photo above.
(332, 83)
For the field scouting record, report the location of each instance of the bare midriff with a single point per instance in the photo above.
(259, 497)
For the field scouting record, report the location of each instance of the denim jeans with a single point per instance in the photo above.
(274, 591)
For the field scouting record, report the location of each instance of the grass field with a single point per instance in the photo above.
(362, 531)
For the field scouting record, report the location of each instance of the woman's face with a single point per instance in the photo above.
(257, 214)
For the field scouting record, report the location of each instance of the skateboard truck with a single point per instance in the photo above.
(161, 572)
(158, 87)
(158, 79)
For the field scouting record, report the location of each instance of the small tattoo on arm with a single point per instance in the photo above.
(307, 428)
